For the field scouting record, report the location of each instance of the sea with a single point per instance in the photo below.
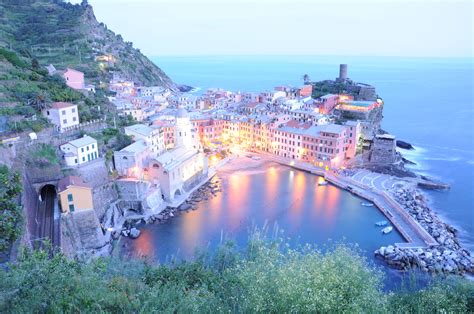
(428, 103)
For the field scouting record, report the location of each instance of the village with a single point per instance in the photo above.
(180, 140)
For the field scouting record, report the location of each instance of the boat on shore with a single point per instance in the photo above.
(381, 223)
(387, 230)
(323, 183)
(366, 204)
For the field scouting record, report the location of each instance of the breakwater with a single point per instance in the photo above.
(432, 245)
(447, 256)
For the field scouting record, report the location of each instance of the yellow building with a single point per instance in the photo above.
(74, 194)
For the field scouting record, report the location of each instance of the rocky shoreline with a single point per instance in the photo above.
(447, 257)
(208, 190)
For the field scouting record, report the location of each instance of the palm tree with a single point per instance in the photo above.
(39, 101)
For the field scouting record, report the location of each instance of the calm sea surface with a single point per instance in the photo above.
(428, 102)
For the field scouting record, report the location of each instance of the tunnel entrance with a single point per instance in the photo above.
(47, 227)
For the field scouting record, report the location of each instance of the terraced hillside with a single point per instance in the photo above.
(67, 35)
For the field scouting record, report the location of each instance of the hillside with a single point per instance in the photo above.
(68, 35)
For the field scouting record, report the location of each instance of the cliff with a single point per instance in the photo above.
(68, 35)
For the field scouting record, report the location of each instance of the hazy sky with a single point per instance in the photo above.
(284, 27)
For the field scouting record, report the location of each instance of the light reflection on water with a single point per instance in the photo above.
(292, 199)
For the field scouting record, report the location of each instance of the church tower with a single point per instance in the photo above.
(185, 135)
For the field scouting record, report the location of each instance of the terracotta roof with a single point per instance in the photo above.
(68, 181)
(61, 105)
(297, 124)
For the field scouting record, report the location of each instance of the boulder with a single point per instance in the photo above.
(134, 233)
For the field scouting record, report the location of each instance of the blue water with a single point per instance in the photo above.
(428, 102)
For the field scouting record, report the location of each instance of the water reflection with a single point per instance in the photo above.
(278, 195)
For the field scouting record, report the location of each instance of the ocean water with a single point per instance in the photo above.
(428, 102)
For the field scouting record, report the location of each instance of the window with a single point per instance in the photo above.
(74, 119)
(63, 112)
(69, 197)
(65, 121)
(71, 207)
(82, 149)
(92, 145)
(87, 147)
(73, 109)
(83, 158)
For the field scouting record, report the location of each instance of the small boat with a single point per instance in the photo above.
(256, 158)
(381, 223)
(367, 204)
(322, 183)
(387, 230)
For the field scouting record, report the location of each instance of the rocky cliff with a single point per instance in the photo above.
(67, 35)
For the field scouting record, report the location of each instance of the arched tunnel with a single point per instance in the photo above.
(47, 228)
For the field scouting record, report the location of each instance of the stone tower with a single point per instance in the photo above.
(342, 72)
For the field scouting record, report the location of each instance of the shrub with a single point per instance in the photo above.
(267, 278)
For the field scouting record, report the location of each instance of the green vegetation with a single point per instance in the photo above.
(67, 35)
(10, 210)
(43, 155)
(267, 278)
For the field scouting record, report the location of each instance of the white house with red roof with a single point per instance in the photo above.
(63, 115)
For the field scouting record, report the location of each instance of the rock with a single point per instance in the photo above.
(185, 206)
(134, 233)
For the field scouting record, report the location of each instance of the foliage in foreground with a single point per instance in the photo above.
(10, 211)
(268, 277)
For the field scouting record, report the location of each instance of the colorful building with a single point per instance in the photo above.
(74, 79)
(74, 194)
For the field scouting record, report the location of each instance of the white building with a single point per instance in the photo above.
(80, 151)
(182, 167)
(63, 115)
(153, 137)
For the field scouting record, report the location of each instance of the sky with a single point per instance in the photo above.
(293, 27)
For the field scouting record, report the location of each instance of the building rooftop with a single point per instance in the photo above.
(136, 147)
(173, 158)
(62, 105)
(141, 129)
(83, 141)
(68, 181)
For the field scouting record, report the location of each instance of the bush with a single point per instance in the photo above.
(43, 155)
(10, 211)
(267, 278)
(13, 58)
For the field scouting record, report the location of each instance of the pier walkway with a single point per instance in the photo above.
(373, 187)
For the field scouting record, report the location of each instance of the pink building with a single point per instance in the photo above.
(306, 90)
(324, 146)
(74, 78)
(327, 103)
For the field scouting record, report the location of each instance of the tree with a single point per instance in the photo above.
(306, 79)
(35, 64)
(39, 101)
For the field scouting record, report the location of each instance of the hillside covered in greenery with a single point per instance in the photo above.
(267, 278)
(66, 35)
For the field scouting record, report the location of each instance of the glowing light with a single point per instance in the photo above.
(292, 163)
(321, 164)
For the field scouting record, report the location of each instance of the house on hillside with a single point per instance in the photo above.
(74, 194)
(74, 79)
(80, 151)
(63, 115)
